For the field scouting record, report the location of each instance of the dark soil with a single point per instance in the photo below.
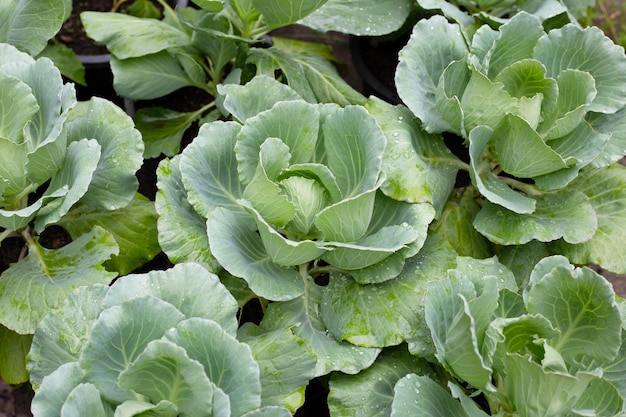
(376, 60)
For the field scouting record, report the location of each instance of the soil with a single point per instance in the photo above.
(376, 61)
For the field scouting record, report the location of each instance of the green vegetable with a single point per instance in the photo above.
(540, 114)
(554, 348)
(161, 343)
(293, 185)
(201, 48)
(69, 163)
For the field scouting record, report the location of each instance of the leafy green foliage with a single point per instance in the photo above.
(540, 351)
(360, 17)
(161, 343)
(201, 47)
(338, 214)
(28, 25)
(306, 178)
(530, 106)
(71, 164)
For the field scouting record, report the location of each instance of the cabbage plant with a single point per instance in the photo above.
(290, 196)
(539, 117)
(70, 164)
(163, 344)
(552, 347)
(292, 189)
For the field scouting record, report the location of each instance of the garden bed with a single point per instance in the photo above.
(312, 291)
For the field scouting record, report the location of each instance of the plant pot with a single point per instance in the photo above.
(375, 59)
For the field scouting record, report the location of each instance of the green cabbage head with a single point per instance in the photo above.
(540, 118)
(537, 100)
(55, 151)
(292, 185)
(156, 344)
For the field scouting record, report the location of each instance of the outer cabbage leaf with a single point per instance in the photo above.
(256, 96)
(498, 12)
(312, 77)
(43, 132)
(370, 392)
(361, 17)
(434, 400)
(418, 167)
(176, 216)
(581, 306)
(226, 361)
(537, 390)
(132, 226)
(55, 390)
(591, 51)
(326, 81)
(385, 314)
(279, 13)
(212, 153)
(606, 189)
(128, 36)
(567, 215)
(29, 24)
(194, 291)
(601, 395)
(162, 129)
(114, 183)
(134, 78)
(425, 57)
(455, 225)
(581, 147)
(44, 278)
(73, 320)
(286, 364)
(136, 407)
(332, 354)
(615, 125)
(13, 351)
